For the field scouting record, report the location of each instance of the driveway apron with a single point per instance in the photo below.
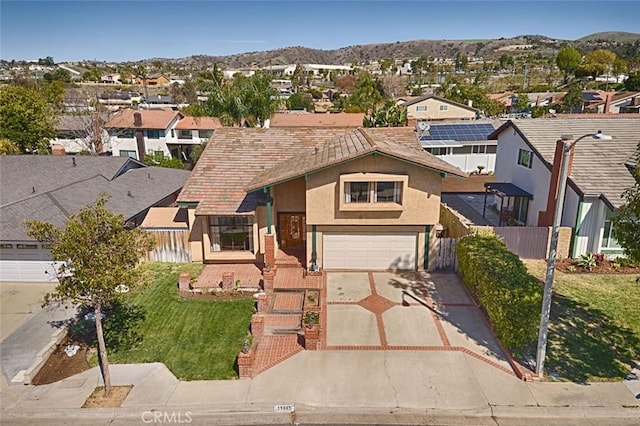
(409, 310)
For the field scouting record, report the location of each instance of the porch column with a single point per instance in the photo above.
(267, 191)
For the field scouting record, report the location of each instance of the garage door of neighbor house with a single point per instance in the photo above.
(26, 263)
(369, 251)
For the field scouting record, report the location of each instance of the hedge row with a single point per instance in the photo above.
(503, 286)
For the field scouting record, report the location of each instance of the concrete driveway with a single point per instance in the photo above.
(26, 328)
(407, 311)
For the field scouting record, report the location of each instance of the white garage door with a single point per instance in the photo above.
(26, 262)
(369, 251)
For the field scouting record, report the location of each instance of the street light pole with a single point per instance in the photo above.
(569, 143)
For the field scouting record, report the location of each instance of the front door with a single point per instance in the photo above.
(292, 228)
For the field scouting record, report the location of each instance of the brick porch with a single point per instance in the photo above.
(249, 274)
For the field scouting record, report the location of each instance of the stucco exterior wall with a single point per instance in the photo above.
(433, 111)
(195, 236)
(290, 196)
(421, 200)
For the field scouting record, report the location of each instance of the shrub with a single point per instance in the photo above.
(503, 287)
(588, 261)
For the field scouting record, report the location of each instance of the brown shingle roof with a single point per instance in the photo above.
(240, 160)
(600, 168)
(342, 119)
(198, 123)
(151, 119)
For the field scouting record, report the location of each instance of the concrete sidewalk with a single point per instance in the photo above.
(364, 386)
(27, 328)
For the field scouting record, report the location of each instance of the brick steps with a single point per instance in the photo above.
(287, 302)
(282, 323)
(294, 279)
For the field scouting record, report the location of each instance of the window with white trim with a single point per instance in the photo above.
(372, 191)
(421, 108)
(444, 107)
(388, 192)
(356, 192)
(609, 240)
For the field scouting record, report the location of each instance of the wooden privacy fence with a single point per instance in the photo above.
(445, 254)
(172, 245)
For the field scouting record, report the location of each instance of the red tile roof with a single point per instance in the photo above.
(342, 119)
(151, 119)
(198, 123)
(240, 159)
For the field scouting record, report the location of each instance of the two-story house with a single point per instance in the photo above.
(435, 108)
(528, 161)
(135, 133)
(346, 198)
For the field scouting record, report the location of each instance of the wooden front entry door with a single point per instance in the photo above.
(292, 229)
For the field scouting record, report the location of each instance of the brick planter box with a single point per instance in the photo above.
(245, 364)
(311, 302)
(311, 337)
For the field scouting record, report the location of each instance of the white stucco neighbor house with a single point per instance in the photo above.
(600, 171)
(465, 145)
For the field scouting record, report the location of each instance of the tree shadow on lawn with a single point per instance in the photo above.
(585, 344)
(120, 326)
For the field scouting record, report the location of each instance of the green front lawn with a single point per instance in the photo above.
(197, 340)
(595, 325)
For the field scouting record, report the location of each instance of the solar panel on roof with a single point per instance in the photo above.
(459, 132)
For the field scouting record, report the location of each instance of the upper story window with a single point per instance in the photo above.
(388, 192)
(372, 191)
(205, 134)
(444, 107)
(185, 134)
(525, 158)
(154, 134)
(440, 150)
(356, 192)
(421, 108)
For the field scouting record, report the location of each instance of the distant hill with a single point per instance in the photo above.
(612, 36)
(539, 45)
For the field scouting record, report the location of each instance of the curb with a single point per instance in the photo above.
(42, 356)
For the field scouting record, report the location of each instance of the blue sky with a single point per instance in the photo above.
(126, 30)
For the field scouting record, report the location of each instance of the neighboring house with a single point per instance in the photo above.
(118, 100)
(599, 174)
(347, 198)
(83, 133)
(436, 108)
(153, 80)
(612, 102)
(112, 78)
(138, 132)
(308, 119)
(160, 101)
(464, 145)
(50, 188)
(190, 131)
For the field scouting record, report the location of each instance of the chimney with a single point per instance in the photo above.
(97, 132)
(607, 104)
(58, 149)
(470, 103)
(545, 218)
(538, 99)
(635, 101)
(137, 119)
